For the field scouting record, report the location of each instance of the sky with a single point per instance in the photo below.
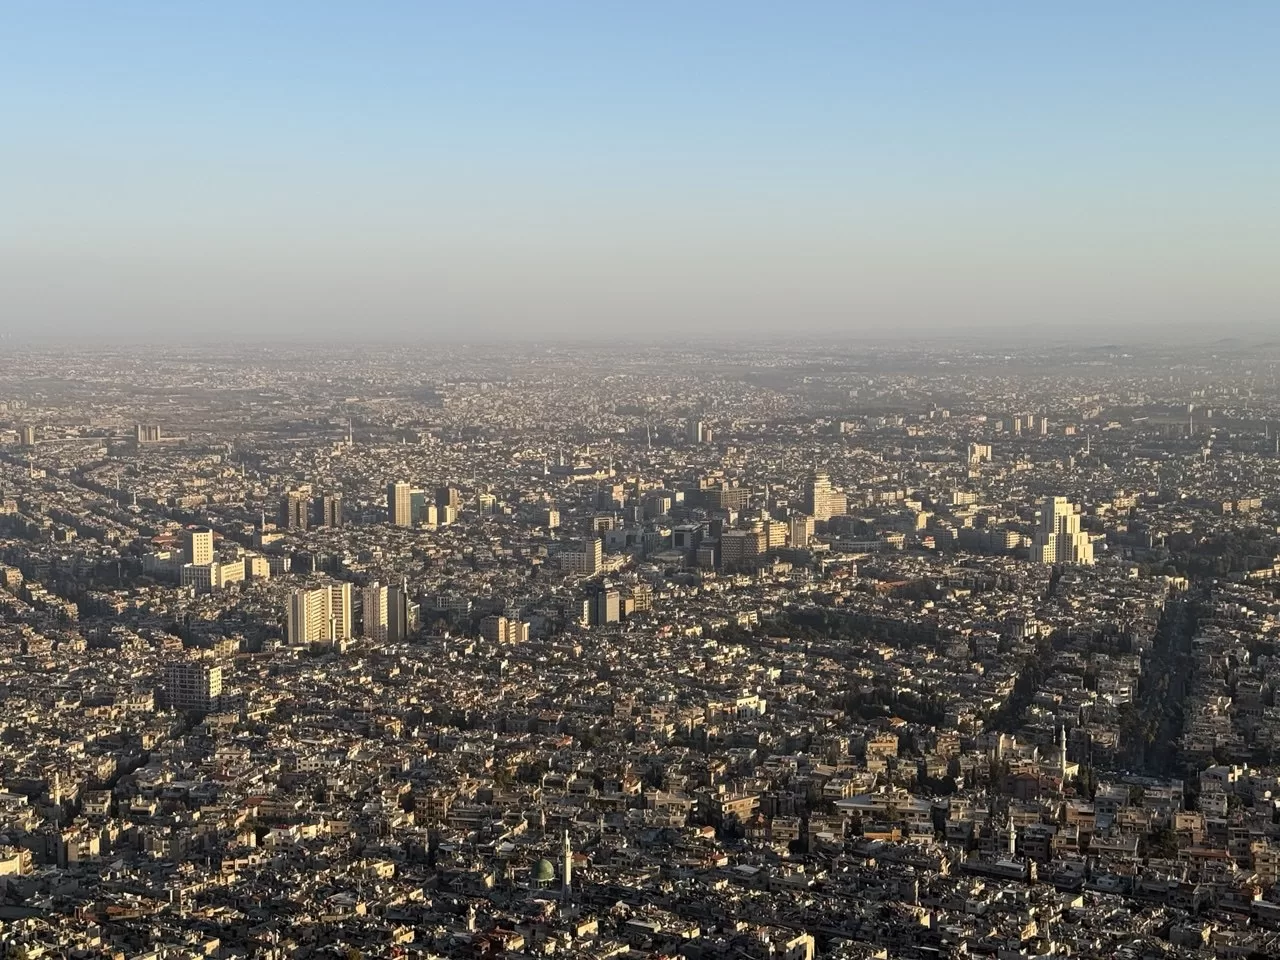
(425, 171)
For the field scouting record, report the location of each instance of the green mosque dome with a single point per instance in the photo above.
(544, 871)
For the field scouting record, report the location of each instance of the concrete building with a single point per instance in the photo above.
(402, 614)
(504, 630)
(331, 514)
(1059, 538)
(822, 501)
(320, 614)
(295, 509)
(801, 531)
(606, 607)
(197, 545)
(587, 561)
(193, 685)
(374, 604)
(740, 548)
(399, 504)
(448, 496)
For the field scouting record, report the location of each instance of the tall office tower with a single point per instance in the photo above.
(399, 504)
(146, 433)
(698, 432)
(449, 496)
(340, 607)
(418, 503)
(551, 518)
(374, 601)
(320, 614)
(606, 607)
(331, 514)
(486, 503)
(192, 685)
(823, 501)
(402, 613)
(801, 531)
(197, 545)
(295, 509)
(27, 436)
(1059, 538)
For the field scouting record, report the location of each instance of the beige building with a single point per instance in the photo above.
(197, 545)
(399, 504)
(320, 614)
(193, 685)
(822, 500)
(374, 602)
(1059, 538)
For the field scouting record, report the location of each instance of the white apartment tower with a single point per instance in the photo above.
(822, 500)
(375, 603)
(400, 504)
(1059, 538)
(320, 614)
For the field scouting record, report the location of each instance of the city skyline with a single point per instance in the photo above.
(591, 651)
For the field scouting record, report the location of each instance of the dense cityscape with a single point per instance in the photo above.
(771, 652)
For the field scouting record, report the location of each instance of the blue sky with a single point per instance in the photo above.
(420, 170)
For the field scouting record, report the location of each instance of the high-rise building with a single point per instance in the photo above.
(399, 505)
(979, 453)
(374, 603)
(589, 559)
(822, 501)
(698, 432)
(27, 436)
(146, 433)
(551, 518)
(192, 685)
(726, 497)
(449, 496)
(197, 545)
(320, 614)
(606, 607)
(402, 614)
(740, 548)
(801, 531)
(331, 514)
(1059, 538)
(295, 509)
